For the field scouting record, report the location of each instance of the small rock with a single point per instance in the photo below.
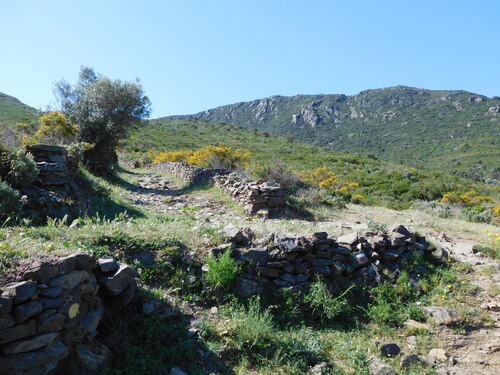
(6, 321)
(108, 264)
(442, 315)
(319, 369)
(389, 349)
(17, 332)
(429, 361)
(417, 325)
(378, 367)
(5, 304)
(409, 359)
(438, 354)
(24, 311)
(41, 272)
(246, 288)
(149, 306)
(30, 344)
(177, 371)
(412, 340)
(17, 363)
(320, 236)
(70, 280)
(94, 356)
(348, 239)
(269, 272)
(401, 229)
(120, 280)
(20, 292)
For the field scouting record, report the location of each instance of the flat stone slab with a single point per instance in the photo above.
(120, 280)
(30, 344)
(108, 264)
(29, 360)
(17, 332)
(70, 280)
(20, 292)
(23, 312)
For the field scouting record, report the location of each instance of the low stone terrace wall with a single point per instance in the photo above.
(50, 314)
(294, 262)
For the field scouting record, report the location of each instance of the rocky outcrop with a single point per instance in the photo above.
(294, 262)
(49, 316)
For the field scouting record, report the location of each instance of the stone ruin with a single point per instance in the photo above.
(55, 192)
(188, 173)
(257, 197)
(294, 262)
(50, 314)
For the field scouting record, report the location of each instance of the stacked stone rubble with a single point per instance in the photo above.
(255, 196)
(294, 262)
(55, 192)
(56, 168)
(50, 316)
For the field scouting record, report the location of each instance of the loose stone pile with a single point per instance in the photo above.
(293, 262)
(257, 197)
(49, 316)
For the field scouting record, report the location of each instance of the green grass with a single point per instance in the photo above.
(13, 111)
(222, 271)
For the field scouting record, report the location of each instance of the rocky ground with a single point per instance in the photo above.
(467, 350)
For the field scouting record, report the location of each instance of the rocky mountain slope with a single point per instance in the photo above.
(455, 131)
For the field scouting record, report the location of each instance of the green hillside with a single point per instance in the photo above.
(452, 131)
(381, 182)
(13, 111)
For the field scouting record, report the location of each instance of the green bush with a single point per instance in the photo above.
(222, 271)
(252, 326)
(16, 168)
(9, 200)
(325, 303)
(477, 214)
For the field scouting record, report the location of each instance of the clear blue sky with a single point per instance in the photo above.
(192, 55)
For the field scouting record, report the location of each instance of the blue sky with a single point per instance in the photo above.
(192, 55)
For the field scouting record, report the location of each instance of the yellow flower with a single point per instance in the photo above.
(449, 286)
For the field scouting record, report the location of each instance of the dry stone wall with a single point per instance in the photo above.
(55, 193)
(257, 197)
(294, 262)
(188, 173)
(50, 314)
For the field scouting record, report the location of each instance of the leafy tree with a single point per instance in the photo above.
(103, 109)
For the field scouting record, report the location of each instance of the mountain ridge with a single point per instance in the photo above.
(453, 130)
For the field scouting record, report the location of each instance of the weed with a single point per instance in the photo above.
(222, 271)
(325, 303)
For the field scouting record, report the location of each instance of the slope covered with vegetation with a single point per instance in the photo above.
(452, 131)
(379, 183)
(12, 111)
